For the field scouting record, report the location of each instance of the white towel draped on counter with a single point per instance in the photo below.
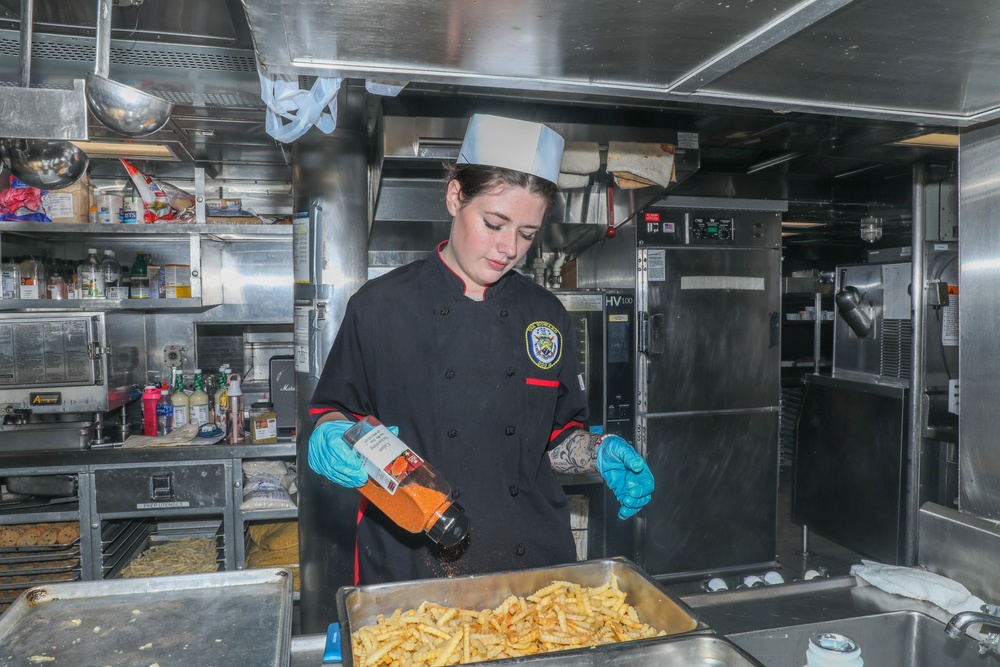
(918, 584)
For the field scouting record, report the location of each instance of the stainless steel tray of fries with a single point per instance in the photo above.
(543, 619)
(223, 618)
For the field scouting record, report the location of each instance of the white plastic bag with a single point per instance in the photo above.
(301, 109)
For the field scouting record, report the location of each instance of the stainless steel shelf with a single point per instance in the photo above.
(270, 515)
(221, 231)
(90, 305)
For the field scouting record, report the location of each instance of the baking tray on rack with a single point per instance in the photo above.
(40, 548)
(17, 558)
(239, 617)
(50, 567)
(358, 606)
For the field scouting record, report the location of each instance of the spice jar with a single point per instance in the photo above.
(263, 423)
(409, 490)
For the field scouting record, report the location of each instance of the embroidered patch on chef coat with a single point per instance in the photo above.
(544, 344)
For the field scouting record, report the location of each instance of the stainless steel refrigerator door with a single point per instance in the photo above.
(715, 503)
(711, 331)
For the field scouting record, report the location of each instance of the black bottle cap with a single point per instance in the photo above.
(451, 528)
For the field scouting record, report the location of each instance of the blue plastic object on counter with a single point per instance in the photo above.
(332, 652)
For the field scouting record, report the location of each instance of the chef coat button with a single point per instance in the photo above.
(452, 433)
(449, 374)
(445, 310)
(455, 494)
(509, 430)
(513, 490)
(503, 313)
(519, 550)
(510, 371)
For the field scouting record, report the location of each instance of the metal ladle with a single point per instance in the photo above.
(43, 164)
(121, 108)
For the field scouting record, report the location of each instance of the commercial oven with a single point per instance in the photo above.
(58, 369)
(708, 377)
(604, 332)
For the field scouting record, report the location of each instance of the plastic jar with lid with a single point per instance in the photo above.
(263, 423)
(32, 278)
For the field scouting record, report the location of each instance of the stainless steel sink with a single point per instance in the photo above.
(689, 651)
(896, 639)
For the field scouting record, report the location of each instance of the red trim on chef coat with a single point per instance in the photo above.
(538, 382)
(441, 245)
(362, 506)
(320, 411)
(559, 431)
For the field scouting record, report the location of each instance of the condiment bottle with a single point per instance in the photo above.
(180, 400)
(263, 423)
(11, 275)
(112, 272)
(829, 649)
(150, 398)
(219, 400)
(139, 281)
(235, 428)
(406, 488)
(198, 401)
(91, 278)
(32, 279)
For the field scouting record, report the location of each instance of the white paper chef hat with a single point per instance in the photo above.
(496, 141)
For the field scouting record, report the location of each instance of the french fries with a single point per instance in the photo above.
(559, 617)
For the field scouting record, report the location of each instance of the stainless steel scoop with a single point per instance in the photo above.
(49, 165)
(120, 108)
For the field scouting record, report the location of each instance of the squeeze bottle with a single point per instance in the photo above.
(150, 397)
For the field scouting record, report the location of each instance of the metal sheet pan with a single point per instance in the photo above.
(359, 606)
(224, 618)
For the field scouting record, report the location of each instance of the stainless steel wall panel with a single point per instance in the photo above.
(979, 312)
(330, 257)
(960, 547)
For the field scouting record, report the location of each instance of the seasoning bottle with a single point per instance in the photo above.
(199, 401)
(55, 280)
(829, 649)
(409, 490)
(263, 423)
(150, 398)
(235, 428)
(112, 272)
(219, 400)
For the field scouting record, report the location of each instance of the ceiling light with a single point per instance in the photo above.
(126, 149)
(931, 140)
(795, 223)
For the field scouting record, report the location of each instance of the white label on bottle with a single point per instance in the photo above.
(118, 292)
(29, 290)
(10, 284)
(180, 416)
(387, 458)
(199, 414)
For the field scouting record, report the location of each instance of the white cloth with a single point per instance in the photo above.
(918, 584)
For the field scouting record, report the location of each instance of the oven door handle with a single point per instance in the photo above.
(652, 333)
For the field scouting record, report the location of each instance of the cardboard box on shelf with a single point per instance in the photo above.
(70, 204)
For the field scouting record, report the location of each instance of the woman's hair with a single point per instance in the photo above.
(477, 179)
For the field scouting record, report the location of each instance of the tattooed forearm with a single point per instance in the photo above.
(575, 454)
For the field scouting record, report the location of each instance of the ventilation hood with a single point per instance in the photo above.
(907, 60)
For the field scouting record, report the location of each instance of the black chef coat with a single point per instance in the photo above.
(479, 389)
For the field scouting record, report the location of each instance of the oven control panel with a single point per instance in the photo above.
(714, 229)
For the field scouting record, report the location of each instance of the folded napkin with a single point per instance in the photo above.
(918, 584)
(638, 165)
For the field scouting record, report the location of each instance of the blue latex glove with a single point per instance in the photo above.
(332, 457)
(626, 474)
